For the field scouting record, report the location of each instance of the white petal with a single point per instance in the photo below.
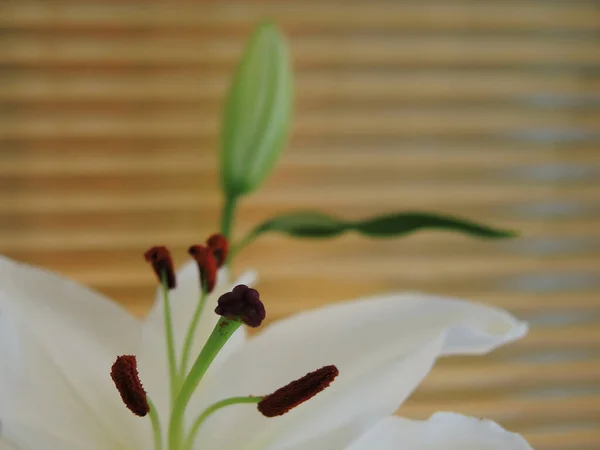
(382, 346)
(68, 337)
(335, 439)
(443, 431)
(46, 301)
(152, 354)
(20, 436)
(361, 401)
(35, 392)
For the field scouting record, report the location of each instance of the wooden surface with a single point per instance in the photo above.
(109, 114)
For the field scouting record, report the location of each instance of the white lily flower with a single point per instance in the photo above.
(58, 340)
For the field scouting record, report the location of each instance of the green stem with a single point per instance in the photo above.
(170, 340)
(213, 408)
(189, 339)
(218, 338)
(245, 241)
(228, 215)
(156, 429)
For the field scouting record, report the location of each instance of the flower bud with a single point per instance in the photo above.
(257, 113)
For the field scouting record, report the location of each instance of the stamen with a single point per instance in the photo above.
(297, 392)
(125, 375)
(211, 410)
(207, 266)
(162, 263)
(243, 303)
(220, 248)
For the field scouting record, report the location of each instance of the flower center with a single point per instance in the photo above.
(241, 306)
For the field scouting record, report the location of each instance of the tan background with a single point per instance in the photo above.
(108, 118)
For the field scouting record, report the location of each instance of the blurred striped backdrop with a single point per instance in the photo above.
(109, 114)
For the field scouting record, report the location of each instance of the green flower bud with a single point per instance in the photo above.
(257, 112)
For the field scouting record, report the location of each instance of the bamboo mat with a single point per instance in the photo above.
(109, 114)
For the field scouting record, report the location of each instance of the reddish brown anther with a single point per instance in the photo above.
(220, 248)
(297, 392)
(207, 266)
(243, 303)
(125, 375)
(162, 263)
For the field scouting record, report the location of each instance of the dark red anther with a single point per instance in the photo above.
(220, 248)
(207, 266)
(243, 303)
(125, 375)
(297, 392)
(162, 263)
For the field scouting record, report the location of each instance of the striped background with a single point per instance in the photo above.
(109, 114)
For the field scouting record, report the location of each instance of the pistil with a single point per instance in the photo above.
(219, 337)
(237, 307)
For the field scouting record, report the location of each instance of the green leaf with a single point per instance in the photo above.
(404, 223)
(258, 113)
(308, 224)
(311, 224)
